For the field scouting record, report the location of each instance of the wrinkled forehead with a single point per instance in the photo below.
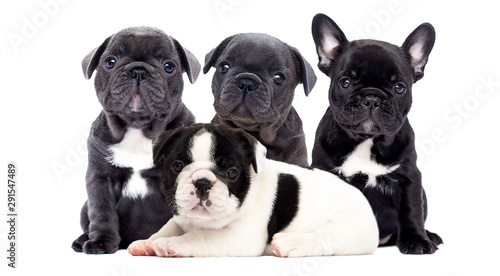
(140, 43)
(257, 49)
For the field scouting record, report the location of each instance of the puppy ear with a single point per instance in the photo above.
(213, 55)
(255, 152)
(307, 75)
(418, 46)
(162, 143)
(189, 62)
(328, 38)
(260, 156)
(91, 60)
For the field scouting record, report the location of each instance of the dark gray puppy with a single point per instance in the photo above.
(139, 85)
(254, 88)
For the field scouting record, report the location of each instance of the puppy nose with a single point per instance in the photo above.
(202, 187)
(139, 74)
(247, 82)
(371, 102)
(247, 85)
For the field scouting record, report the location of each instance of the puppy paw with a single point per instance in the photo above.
(100, 246)
(416, 246)
(165, 247)
(78, 243)
(435, 238)
(140, 248)
(290, 245)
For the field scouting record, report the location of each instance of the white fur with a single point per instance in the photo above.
(135, 152)
(217, 211)
(334, 218)
(201, 149)
(360, 161)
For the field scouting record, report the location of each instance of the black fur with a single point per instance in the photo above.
(367, 106)
(286, 205)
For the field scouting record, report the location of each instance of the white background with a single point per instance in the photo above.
(47, 108)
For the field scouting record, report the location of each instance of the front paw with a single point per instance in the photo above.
(78, 243)
(100, 246)
(140, 248)
(416, 246)
(166, 247)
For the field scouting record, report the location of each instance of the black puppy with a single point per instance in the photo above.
(365, 136)
(139, 85)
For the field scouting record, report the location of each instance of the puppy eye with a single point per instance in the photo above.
(233, 173)
(110, 62)
(223, 68)
(345, 82)
(177, 166)
(278, 79)
(169, 67)
(399, 88)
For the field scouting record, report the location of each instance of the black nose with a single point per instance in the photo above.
(202, 188)
(139, 74)
(247, 85)
(247, 82)
(371, 102)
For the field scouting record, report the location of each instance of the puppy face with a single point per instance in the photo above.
(371, 93)
(371, 81)
(255, 79)
(207, 172)
(139, 73)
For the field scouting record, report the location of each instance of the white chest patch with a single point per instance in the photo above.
(135, 151)
(360, 161)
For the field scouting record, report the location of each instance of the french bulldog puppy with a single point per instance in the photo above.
(139, 85)
(365, 136)
(254, 89)
(228, 199)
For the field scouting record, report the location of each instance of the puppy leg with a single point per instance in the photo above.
(211, 243)
(84, 222)
(320, 243)
(412, 236)
(339, 237)
(143, 247)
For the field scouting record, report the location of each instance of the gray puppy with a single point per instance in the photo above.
(254, 88)
(139, 85)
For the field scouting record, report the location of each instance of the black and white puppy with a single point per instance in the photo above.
(228, 199)
(139, 85)
(254, 87)
(365, 137)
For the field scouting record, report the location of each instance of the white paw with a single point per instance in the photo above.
(289, 245)
(138, 248)
(166, 247)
